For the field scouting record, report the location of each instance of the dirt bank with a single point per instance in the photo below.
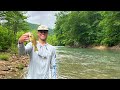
(14, 67)
(117, 47)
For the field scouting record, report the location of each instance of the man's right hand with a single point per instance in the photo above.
(24, 37)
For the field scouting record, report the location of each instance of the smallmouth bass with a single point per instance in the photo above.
(33, 40)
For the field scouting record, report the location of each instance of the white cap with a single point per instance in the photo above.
(42, 27)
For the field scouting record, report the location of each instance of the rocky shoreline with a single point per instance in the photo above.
(107, 48)
(14, 67)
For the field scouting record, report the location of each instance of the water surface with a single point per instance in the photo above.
(79, 63)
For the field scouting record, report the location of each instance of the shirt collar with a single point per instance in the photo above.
(43, 45)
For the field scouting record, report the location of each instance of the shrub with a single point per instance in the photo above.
(6, 38)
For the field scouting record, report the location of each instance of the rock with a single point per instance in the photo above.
(13, 70)
(10, 69)
(3, 73)
(5, 69)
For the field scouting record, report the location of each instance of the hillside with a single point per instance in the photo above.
(32, 26)
(35, 26)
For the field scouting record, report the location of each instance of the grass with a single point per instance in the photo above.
(13, 49)
(20, 66)
(4, 56)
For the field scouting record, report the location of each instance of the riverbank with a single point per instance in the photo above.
(117, 47)
(14, 67)
(101, 47)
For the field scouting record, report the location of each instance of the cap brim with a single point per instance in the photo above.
(43, 29)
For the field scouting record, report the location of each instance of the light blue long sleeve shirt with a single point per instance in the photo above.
(42, 63)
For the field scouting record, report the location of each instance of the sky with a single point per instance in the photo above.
(42, 17)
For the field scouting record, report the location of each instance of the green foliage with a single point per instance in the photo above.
(35, 33)
(4, 56)
(12, 29)
(5, 38)
(73, 28)
(33, 26)
(20, 66)
(15, 21)
(20, 33)
(13, 49)
(110, 25)
(84, 28)
(52, 40)
(51, 31)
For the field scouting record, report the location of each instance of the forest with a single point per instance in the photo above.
(88, 28)
(72, 28)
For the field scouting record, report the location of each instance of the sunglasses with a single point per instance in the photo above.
(43, 31)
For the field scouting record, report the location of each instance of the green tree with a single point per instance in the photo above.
(15, 21)
(5, 38)
(77, 28)
(110, 25)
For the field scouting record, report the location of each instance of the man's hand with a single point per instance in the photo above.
(24, 37)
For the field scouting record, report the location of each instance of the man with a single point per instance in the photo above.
(42, 62)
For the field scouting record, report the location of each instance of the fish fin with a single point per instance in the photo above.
(36, 49)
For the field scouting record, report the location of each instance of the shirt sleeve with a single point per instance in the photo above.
(22, 49)
(53, 65)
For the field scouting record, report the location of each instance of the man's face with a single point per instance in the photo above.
(42, 34)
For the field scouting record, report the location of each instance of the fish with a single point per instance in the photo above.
(33, 40)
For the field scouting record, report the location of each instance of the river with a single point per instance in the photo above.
(79, 63)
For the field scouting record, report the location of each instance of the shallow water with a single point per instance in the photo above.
(79, 63)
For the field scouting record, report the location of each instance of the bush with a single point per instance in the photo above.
(13, 49)
(19, 34)
(6, 38)
(51, 39)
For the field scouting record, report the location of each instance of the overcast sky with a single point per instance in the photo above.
(42, 17)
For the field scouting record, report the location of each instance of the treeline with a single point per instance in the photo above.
(72, 28)
(87, 28)
(12, 25)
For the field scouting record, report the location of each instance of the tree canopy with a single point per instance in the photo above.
(85, 28)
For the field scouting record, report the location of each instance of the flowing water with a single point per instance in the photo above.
(79, 63)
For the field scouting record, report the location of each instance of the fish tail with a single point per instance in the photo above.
(36, 49)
